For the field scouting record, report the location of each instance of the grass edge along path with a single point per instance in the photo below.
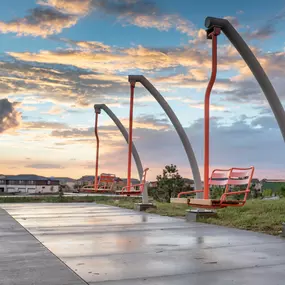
(265, 216)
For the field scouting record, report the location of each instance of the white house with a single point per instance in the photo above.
(29, 184)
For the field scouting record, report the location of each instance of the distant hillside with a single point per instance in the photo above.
(133, 180)
(27, 177)
(65, 179)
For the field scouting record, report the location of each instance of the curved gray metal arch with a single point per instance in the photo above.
(254, 66)
(176, 123)
(124, 133)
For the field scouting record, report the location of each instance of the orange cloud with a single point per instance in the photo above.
(41, 22)
(68, 6)
(160, 22)
(213, 107)
(55, 110)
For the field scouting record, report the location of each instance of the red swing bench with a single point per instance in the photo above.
(227, 178)
(219, 177)
(136, 189)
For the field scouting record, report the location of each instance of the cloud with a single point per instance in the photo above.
(43, 125)
(10, 118)
(27, 107)
(268, 29)
(44, 166)
(55, 110)
(109, 135)
(75, 7)
(160, 22)
(52, 16)
(40, 22)
(241, 138)
(83, 45)
(73, 133)
(262, 33)
(140, 13)
(143, 14)
(233, 20)
(148, 122)
(267, 122)
(56, 84)
(96, 77)
(213, 107)
(159, 147)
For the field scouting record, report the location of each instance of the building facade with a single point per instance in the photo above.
(29, 184)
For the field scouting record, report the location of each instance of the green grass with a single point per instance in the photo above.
(264, 216)
(257, 215)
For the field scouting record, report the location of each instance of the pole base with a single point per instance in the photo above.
(283, 230)
(144, 206)
(194, 215)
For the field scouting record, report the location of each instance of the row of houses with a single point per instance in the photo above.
(34, 184)
(259, 185)
(30, 184)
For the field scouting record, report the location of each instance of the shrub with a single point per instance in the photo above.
(216, 192)
(267, 193)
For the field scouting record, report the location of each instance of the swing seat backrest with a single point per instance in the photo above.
(106, 181)
(135, 186)
(231, 178)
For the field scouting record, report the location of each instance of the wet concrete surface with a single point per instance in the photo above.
(109, 245)
(25, 261)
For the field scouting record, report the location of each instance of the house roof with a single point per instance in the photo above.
(65, 179)
(27, 177)
(191, 181)
(87, 177)
(273, 180)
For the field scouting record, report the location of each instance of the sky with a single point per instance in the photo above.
(60, 57)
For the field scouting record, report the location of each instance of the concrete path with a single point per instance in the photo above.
(24, 260)
(108, 245)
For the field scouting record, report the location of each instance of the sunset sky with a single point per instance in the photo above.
(60, 57)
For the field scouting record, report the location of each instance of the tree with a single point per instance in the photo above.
(169, 184)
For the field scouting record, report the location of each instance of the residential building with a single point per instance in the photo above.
(67, 184)
(30, 184)
(273, 184)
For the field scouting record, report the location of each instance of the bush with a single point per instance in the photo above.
(267, 193)
(281, 192)
(216, 192)
(169, 184)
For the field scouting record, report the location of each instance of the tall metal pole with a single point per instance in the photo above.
(125, 135)
(213, 36)
(97, 112)
(132, 86)
(254, 66)
(177, 125)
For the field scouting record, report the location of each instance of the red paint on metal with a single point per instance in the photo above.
(97, 152)
(207, 113)
(130, 141)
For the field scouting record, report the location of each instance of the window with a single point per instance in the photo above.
(31, 182)
(1, 181)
